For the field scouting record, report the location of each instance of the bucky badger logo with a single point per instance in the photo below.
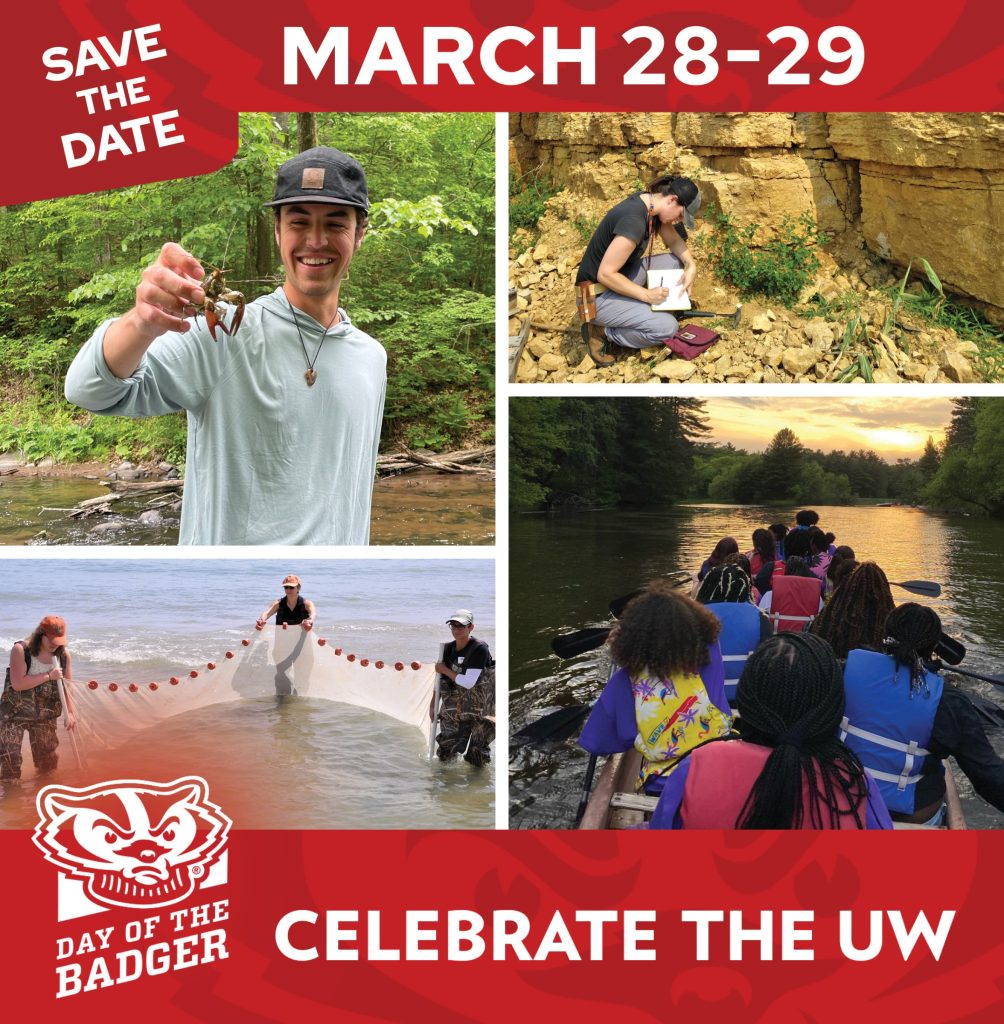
(133, 843)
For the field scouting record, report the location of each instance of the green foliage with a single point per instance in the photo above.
(780, 269)
(573, 452)
(971, 473)
(941, 309)
(788, 473)
(528, 196)
(585, 227)
(34, 430)
(422, 283)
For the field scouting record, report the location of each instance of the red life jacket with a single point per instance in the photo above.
(720, 778)
(795, 602)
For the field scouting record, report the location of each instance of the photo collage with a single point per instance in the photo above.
(529, 471)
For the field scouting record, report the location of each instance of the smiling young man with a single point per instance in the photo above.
(284, 414)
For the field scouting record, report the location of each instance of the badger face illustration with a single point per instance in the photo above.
(134, 843)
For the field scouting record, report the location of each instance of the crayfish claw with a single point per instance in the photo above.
(212, 320)
(237, 318)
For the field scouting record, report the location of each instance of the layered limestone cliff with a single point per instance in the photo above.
(886, 188)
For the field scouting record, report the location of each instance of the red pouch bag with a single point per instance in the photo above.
(690, 341)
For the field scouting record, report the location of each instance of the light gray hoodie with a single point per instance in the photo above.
(269, 460)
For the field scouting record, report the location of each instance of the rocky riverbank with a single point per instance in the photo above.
(873, 183)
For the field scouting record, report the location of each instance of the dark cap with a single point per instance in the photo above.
(689, 196)
(321, 175)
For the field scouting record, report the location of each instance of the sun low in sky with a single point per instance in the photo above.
(894, 428)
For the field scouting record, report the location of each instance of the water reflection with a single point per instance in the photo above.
(413, 508)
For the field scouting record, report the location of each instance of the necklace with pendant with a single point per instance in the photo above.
(311, 375)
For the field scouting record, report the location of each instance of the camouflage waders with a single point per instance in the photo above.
(462, 719)
(36, 710)
(43, 739)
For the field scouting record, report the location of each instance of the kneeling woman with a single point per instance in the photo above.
(615, 263)
(903, 720)
(788, 770)
(669, 695)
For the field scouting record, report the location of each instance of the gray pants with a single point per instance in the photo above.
(632, 323)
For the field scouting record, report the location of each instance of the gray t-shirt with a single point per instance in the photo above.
(269, 459)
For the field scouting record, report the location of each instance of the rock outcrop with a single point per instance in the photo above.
(886, 188)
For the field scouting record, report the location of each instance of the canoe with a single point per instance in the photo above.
(614, 804)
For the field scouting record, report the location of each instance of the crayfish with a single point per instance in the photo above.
(215, 287)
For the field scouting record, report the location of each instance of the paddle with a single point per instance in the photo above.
(571, 644)
(950, 650)
(587, 786)
(925, 587)
(996, 680)
(618, 604)
(553, 728)
(987, 709)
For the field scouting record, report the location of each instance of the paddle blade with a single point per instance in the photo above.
(925, 587)
(571, 644)
(552, 728)
(950, 650)
(987, 710)
(618, 604)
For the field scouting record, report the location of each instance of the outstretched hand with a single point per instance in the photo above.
(168, 290)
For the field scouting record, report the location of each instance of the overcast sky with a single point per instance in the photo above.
(895, 428)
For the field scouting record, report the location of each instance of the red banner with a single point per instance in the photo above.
(496, 926)
(139, 92)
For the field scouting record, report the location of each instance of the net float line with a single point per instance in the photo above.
(273, 661)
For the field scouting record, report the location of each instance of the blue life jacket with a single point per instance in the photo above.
(886, 727)
(739, 638)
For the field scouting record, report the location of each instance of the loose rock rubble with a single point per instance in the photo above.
(771, 345)
(876, 184)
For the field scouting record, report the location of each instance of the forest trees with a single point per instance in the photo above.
(971, 473)
(422, 283)
(589, 452)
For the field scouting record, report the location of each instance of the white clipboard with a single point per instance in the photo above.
(673, 280)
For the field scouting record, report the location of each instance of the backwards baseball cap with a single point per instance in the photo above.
(463, 616)
(689, 196)
(321, 175)
(291, 581)
(54, 628)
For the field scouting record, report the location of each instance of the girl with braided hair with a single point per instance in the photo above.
(855, 616)
(843, 563)
(669, 694)
(727, 593)
(725, 547)
(902, 719)
(788, 769)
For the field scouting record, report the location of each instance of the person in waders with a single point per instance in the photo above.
(467, 694)
(31, 699)
(291, 610)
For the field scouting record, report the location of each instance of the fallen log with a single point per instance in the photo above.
(124, 487)
(448, 462)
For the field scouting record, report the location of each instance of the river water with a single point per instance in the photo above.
(301, 763)
(564, 571)
(411, 508)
